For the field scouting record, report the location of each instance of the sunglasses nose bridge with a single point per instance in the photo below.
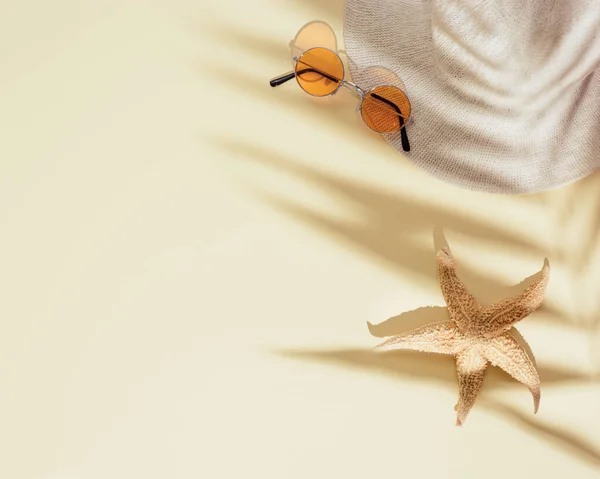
(353, 87)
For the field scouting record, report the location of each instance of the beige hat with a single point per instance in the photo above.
(504, 94)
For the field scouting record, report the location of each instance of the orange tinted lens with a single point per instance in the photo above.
(319, 71)
(385, 109)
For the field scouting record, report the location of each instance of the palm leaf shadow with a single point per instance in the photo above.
(578, 245)
(428, 366)
(441, 369)
(390, 224)
(564, 439)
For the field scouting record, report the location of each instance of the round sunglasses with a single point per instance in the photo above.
(320, 72)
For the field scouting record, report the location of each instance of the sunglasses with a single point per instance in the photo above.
(319, 71)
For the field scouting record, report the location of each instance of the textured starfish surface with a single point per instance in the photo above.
(477, 335)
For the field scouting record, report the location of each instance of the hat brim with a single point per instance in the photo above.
(470, 127)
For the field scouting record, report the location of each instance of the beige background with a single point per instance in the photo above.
(189, 258)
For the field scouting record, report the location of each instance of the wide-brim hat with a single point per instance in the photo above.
(504, 94)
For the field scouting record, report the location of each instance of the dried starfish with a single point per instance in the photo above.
(477, 335)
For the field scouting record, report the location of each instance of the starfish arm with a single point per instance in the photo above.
(505, 352)
(462, 306)
(505, 313)
(443, 338)
(470, 369)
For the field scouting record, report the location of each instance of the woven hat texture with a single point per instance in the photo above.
(504, 94)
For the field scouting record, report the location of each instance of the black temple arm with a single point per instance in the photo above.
(403, 134)
(280, 80)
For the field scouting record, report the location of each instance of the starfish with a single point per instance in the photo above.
(477, 335)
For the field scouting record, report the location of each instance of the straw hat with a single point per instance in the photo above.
(504, 94)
